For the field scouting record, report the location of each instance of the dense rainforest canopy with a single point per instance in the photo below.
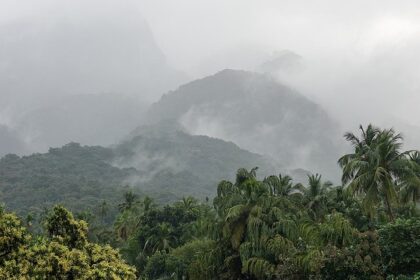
(254, 228)
(162, 161)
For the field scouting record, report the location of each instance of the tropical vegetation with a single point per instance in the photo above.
(254, 228)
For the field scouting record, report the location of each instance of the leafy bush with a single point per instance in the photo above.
(162, 266)
(360, 261)
(400, 244)
(66, 254)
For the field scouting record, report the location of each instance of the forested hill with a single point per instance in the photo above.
(74, 175)
(258, 114)
(253, 229)
(161, 161)
(169, 146)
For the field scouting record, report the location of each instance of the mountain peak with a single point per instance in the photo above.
(257, 113)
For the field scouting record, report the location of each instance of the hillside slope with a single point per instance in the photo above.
(161, 161)
(258, 114)
(80, 177)
(169, 158)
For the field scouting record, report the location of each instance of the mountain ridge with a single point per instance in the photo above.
(258, 114)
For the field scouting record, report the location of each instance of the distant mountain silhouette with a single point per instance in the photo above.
(10, 142)
(258, 114)
(55, 71)
(100, 119)
(42, 57)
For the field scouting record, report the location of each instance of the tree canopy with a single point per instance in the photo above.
(255, 228)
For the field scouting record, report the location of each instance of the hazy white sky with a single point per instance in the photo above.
(187, 30)
(352, 50)
(361, 50)
(307, 27)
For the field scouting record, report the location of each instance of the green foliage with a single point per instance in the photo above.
(79, 177)
(159, 266)
(400, 243)
(162, 161)
(274, 234)
(275, 229)
(173, 160)
(150, 229)
(316, 196)
(66, 254)
(361, 261)
(12, 234)
(255, 229)
(63, 227)
(198, 259)
(378, 168)
(336, 230)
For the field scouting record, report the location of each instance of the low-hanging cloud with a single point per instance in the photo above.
(358, 59)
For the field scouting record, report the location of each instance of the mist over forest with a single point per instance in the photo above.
(132, 112)
(62, 74)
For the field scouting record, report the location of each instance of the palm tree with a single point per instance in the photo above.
(376, 167)
(316, 195)
(126, 224)
(189, 205)
(243, 208)
(132, 210)
(410, 187)
(265, 227)
(272, 236)
(283, 185)
(148, 204)
(245, 211)
(243, 174)
(130, 199)
(103, 209)
(162, 238)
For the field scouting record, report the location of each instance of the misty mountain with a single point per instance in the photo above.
(100, 119)
(10, 141)
(162, 161)
(40, 58)
(170, 159)
(53, 69)
(258, 114)
(280, 61)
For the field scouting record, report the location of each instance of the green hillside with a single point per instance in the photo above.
(258, 114)
(78, 176)
(180, 163)
(161, 161)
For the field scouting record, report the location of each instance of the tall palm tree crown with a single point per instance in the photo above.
(377, 168)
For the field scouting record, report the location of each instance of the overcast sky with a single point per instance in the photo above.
(363, 54)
